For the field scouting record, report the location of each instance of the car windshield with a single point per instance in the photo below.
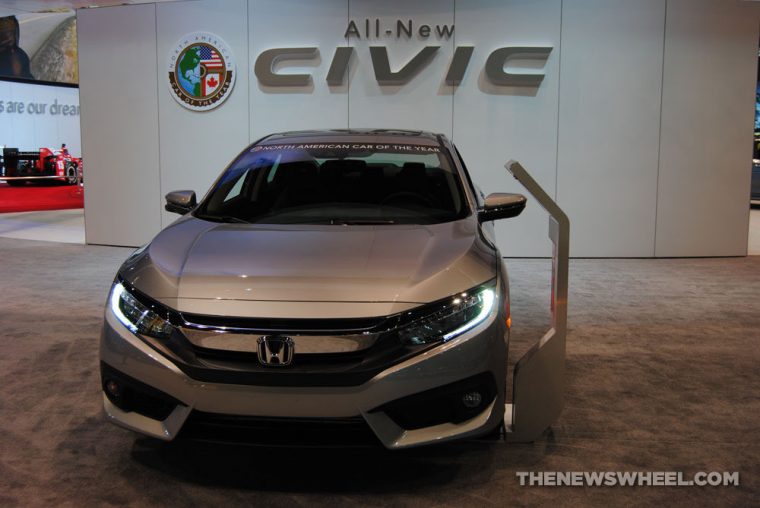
(337, 183)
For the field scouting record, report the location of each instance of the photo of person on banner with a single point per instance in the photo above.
(14, 62)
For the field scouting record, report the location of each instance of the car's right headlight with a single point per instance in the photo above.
(462, 313)
(136, 316)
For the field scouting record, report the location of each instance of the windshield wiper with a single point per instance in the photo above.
(221, 218)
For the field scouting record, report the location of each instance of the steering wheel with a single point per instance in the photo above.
(406, 197)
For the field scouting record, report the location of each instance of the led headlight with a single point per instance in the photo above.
(464, 312)
(136, 316)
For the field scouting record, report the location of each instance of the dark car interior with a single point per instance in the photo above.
(292, 191)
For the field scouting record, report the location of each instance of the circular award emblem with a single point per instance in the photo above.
(201, 71)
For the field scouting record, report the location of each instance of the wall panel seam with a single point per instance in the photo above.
(559, 98)
(158, 120)
(659, 136)
(453, 49)
(348, 70)
(248, 63)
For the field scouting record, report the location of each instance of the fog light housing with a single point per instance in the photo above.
(472, 400)
(113, 388)
(129, 394)
(453, 403)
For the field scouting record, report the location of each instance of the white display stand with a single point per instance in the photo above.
(539, 377)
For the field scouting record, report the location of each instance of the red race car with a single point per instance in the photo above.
(29, 166)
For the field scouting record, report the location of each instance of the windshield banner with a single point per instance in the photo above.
(375, 147)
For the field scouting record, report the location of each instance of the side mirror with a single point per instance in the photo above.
(501, 206)
(180, 202)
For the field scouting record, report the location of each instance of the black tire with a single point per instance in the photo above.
(16, 183)
(71, 174)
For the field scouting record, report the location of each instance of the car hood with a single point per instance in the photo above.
(199, 266)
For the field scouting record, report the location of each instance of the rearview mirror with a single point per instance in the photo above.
(501, 206)
(180, 202)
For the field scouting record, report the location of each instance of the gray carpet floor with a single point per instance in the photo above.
(663, 369)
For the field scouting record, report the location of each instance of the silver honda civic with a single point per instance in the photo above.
(333, 287)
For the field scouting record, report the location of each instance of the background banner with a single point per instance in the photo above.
(39, 46)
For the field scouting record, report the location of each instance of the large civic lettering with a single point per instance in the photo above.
(495, 67)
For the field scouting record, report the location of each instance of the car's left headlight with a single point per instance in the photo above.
(464, 312)
(136, 316)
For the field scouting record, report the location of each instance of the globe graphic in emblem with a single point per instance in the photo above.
(189, 68)
(201, 71)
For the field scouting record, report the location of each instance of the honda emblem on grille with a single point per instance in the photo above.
(275, 351)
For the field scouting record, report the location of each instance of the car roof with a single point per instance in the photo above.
(382, 136)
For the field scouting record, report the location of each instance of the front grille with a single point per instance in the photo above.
(278, 432)
(311, 369)
(340, 369)
(285, 325)
(325, 360)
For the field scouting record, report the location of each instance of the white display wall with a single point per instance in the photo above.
(34, 116)
(641, 127)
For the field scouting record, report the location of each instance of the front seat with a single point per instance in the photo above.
(300, 183)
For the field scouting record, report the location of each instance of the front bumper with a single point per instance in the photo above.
(479, 351)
